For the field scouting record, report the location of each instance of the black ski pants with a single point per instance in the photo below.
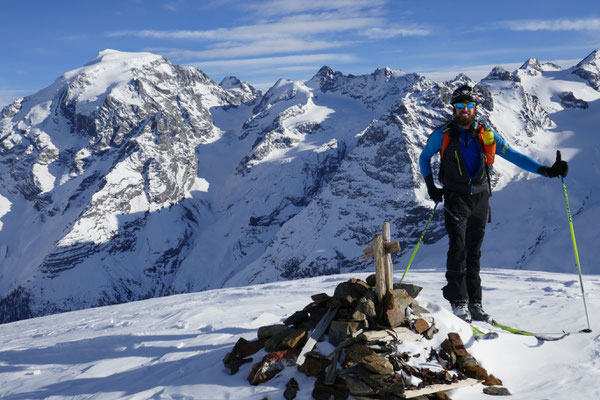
(465, 217)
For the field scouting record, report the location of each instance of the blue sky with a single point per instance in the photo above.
(261, 41)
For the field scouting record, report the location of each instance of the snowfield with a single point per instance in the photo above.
(172, 347)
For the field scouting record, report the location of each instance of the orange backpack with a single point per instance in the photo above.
(489, 150)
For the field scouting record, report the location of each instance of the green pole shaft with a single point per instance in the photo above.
(419, 242)
(575, 251)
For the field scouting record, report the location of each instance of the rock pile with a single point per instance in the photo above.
(372, 356)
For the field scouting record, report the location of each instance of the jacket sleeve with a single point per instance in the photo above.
(510, 154)
(433, 146)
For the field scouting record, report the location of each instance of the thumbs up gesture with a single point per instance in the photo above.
(559, 168)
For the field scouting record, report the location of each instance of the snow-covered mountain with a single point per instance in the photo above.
(132, 177)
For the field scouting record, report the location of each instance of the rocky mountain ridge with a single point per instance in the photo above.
(132, 177)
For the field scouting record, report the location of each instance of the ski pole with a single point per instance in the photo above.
(589, 329)
(419, 242)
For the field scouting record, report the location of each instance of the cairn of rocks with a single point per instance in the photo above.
(368, 361)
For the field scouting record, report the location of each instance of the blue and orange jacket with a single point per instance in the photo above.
(463, 168)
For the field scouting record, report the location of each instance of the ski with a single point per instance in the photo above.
(539, 336)
(478, 334)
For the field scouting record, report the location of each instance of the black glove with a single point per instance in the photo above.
(435, 193)
(559, 168)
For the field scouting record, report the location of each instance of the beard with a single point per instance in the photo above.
(465, 120)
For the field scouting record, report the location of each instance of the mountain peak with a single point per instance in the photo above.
(593, 59)
(532, 63)
(501, 74)
(589, 69)
(236, 86)
(133, 58)
(325, 78)
(461, 79)
(388, 73)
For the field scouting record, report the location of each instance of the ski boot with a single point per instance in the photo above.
(461, 310)
(478, 314)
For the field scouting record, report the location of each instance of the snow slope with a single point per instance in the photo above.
(172, 347)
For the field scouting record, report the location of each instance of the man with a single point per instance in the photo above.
(467, 148)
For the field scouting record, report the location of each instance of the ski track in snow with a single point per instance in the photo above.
(172, 347)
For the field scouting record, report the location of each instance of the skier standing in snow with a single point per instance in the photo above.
(467, 147)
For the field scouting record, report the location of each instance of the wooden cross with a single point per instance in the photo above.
(381, 251)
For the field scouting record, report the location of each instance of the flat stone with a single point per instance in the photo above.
(366, 304)
(478, 373)
(496, 391)
(270, 330)
(421, 325)
(430, 332)
(394, 316)
(417, 309)
(378, 364)
(392, 391)
(492, 381)
(341, 330)
(359, 388)
(320, 298)
(349, 292)
(293, 339)
(359, 285)
(316, 313)
(463, 363)
(233, 362)
(457, 343)
(372, 280)
(322, 391)
(314, 364)
(358, 316)
(287, 339)
(355, 353)
(291, 389)
(296, 318)
(244, 348)
(400, 297)
(447, 347)
(412, 290)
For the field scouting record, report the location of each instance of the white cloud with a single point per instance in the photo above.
(257, 48)
(282, 7)
(582, 24)
(288, 27)
(277, 61)
(388, 33)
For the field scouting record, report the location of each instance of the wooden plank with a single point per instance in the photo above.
(368, 253)
(389, 269)
(391, 247)
(316, 334)
(380, 267)
(409, 394)
(400, 333)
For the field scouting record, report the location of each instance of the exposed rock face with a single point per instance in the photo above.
(568, 100)
(499, 73)
(139, 178)
(103, 163)
(589, 69)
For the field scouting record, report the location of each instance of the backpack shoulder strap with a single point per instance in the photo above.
(446, 130)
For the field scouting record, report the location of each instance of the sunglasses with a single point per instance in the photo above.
(460, 106)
